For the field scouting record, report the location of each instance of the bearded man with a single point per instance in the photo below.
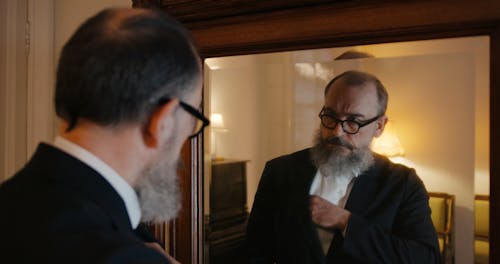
(128, 88)
(338, 202)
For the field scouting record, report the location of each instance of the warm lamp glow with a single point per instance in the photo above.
(388, 143)
(216, 127)
(216, 120)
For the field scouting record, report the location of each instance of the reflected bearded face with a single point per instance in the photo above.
(331, 158)
(158, 190)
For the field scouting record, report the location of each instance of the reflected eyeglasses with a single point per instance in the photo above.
(349, 126)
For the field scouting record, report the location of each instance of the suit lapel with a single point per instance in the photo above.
(82, 179)
(364, 190)
(306, 173)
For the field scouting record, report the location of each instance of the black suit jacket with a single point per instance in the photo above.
(59, 210)
(390, 220)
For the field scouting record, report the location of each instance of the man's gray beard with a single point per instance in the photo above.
(158, 190)
(332, 160)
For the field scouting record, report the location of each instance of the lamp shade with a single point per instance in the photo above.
(216, 120)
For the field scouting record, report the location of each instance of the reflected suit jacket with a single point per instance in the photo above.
(390, 217)
(59, 210)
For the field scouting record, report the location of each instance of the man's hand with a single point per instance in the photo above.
(158, 248)
(328, 215)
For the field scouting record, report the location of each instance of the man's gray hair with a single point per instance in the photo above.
(356, 78)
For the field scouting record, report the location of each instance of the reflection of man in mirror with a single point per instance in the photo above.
(127, 85)
(339, 202)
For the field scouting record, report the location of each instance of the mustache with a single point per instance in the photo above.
(339, 142)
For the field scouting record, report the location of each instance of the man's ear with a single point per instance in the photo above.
(152, 130)
(380, 126)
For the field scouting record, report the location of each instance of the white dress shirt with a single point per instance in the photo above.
(126, 192)
(336, 190)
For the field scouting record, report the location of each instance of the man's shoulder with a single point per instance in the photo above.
(296, 169)
(55, 194)
(28, 194)
(68, 224)
(390, 171)
(75, 234)
(22, 184)
(295, 158)
(36, 177)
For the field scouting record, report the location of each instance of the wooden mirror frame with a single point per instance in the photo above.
(224, 28)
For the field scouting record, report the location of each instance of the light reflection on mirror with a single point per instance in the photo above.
(438, 104)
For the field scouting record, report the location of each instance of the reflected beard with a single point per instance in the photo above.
(330, 157)
(158, 190)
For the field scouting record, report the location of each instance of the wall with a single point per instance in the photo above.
(433, 112)
(479, 48)
(254, 100)
(3, 90)
(13, 86)
(27, 75)
(235, 99)
(69, 14)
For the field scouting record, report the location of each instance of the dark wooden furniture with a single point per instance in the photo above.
(247, 27)
(226, 221)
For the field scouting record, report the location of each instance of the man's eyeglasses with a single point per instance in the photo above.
(201, 120)
(349, 126)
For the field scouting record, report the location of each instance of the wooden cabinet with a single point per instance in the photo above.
(226, 222)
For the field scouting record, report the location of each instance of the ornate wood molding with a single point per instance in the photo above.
(188, 11)
(341, 24)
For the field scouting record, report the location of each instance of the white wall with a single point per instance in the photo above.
(3, 90)
(432, 106)
(479, 48)
(235, 99)
(13, 86)
(254, 99)
(27, 74)
(69, 14)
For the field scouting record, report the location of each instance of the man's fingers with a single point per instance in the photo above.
(319, 203)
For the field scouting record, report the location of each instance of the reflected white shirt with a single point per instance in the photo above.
(336, 190)
(126, 192)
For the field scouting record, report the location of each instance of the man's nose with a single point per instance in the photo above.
(337, 131)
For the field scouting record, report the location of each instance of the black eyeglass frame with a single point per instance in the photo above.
(342, 122)
(191, 110)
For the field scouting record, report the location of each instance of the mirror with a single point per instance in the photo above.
(266, 105)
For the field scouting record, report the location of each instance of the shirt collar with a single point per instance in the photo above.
(125, 191)
(334, 189)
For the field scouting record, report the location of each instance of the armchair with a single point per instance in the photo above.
(481, 228)
(442, 214)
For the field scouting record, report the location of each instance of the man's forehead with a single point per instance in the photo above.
(347, 112)
(341, 86)
(343, 91)
(352, 100)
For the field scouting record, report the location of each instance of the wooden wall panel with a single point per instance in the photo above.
(495, 146)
